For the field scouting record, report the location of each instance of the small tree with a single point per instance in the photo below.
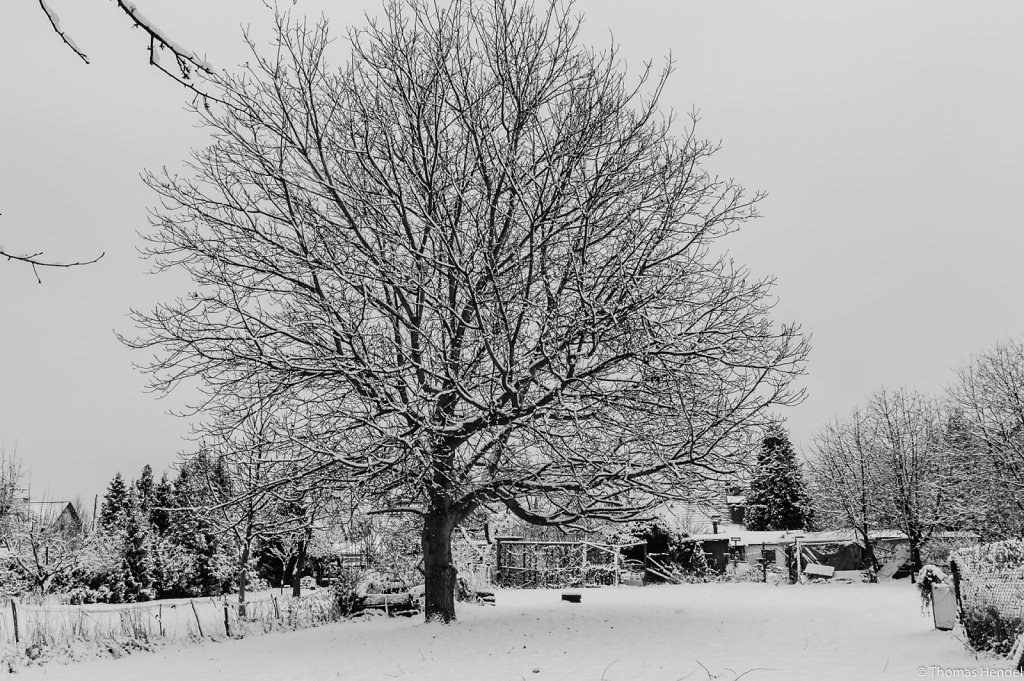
(778, 498)
(43, 550)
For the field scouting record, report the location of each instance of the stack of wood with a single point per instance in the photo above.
(388, 603)
(467, 593)
(391, 597)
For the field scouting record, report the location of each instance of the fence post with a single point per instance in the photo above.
(14, 612)
(193, 604)
(227, 627)
(160, 617)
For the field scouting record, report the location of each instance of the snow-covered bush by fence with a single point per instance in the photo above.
(989, 581)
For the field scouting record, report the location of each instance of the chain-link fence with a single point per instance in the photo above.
(989, 583)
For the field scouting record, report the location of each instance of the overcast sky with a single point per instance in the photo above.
(889, 137)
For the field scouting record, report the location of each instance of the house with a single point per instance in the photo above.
(839, 549)
(57, 514)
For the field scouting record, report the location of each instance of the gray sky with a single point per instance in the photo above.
(888, 136)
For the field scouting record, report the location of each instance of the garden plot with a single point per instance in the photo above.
(701, 631)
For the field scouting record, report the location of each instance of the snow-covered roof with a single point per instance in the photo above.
(735, 499)
(747, 537)
(49, 511)
(754, 537)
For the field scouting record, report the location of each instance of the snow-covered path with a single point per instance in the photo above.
(705, 631)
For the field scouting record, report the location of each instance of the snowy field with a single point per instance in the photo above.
(705, 631)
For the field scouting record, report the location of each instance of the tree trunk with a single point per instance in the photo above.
(300, 565)
(869, 554)
(439, 572)
(241, 580)
(915, 556)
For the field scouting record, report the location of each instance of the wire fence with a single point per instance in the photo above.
(989, 584)
(554, 565)
(141, 624)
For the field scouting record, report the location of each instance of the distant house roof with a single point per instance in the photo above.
(52, 511)
(775, 537)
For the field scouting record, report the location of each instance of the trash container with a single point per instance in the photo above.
(943, 606)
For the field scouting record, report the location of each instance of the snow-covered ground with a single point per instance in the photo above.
(705, 631)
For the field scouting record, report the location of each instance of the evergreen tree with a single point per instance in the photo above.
(144, 489)
(160, 513)
(136, 562)
(115, 506)
(778, 498)
(208, 566)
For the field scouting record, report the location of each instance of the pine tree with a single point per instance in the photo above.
(144, 490)
(778, 498)
(115, 506)
(160, 515)
(207, 557)
(136, 562)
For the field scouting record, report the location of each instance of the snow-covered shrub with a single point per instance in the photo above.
(991, 593)
(929, 576)
(988, 628)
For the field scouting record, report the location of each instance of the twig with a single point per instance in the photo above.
(35, 262)
(55, 22)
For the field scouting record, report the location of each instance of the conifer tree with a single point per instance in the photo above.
(136, 562)
(115, 505)
(144, 489)
(778, 498)
(160, 514)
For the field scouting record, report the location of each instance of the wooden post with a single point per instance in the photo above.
(14, 612)
(160, 617)
(497, 562)
(227, 627)
(277, 611)
(764, 565)
(192, 603)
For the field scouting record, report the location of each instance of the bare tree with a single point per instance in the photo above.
(890, 466)
(846, 479)
(989, 395)
(41, 547)
(242, 503)
(477, 266)
(918, 489)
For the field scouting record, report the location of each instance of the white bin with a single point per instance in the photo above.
(943, 606)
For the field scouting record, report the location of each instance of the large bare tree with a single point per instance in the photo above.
(477, 265)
